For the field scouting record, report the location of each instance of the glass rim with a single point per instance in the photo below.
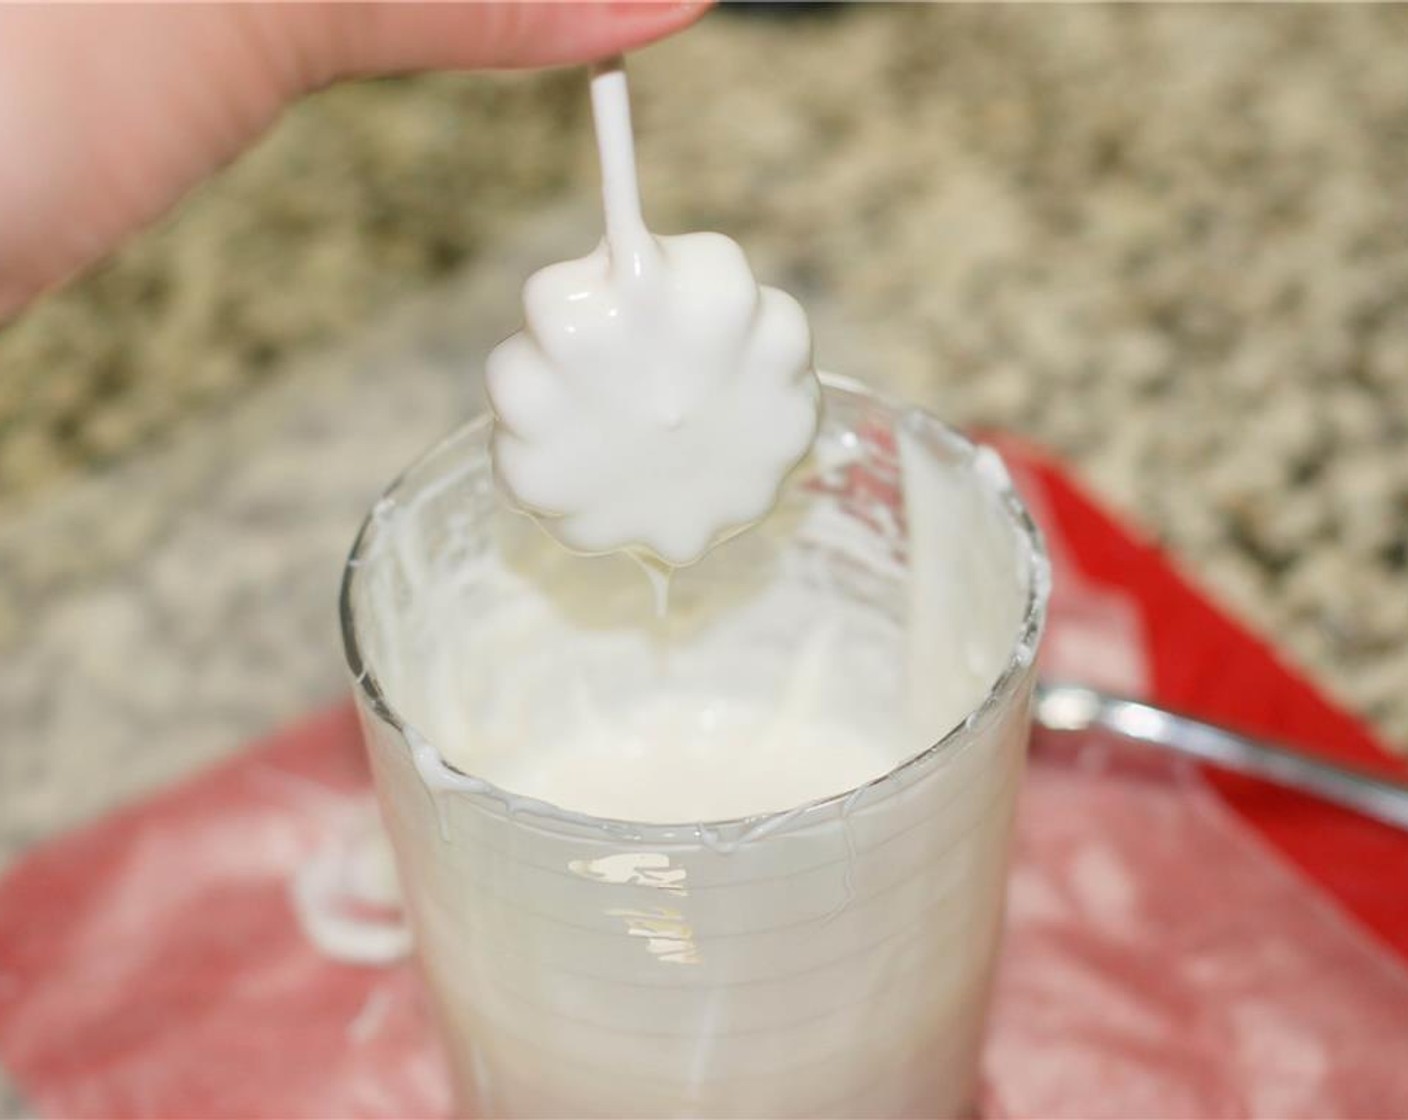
(1021, 658)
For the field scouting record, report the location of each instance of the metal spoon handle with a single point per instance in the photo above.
(1073, 708)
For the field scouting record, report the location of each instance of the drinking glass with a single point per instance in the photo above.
(829, 959)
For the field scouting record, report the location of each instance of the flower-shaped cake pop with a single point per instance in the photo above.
(653, 401)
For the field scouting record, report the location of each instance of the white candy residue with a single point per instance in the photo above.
(657, 396)
(347, 899)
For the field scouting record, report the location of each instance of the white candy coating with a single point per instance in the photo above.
(658, 395)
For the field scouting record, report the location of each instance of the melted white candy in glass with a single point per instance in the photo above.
(658, 395)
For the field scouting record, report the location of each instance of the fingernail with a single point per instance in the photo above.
(656, 9)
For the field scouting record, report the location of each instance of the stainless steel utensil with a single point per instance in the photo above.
(1073, 708)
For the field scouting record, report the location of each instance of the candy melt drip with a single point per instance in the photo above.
(657, 395)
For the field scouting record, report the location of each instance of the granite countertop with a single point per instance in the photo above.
(1169, 243)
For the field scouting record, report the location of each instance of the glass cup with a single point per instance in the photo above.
(832, 958)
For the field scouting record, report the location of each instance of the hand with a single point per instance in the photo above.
(108, 114)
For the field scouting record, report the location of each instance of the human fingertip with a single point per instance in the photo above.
(633, 25)
(667, 15)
